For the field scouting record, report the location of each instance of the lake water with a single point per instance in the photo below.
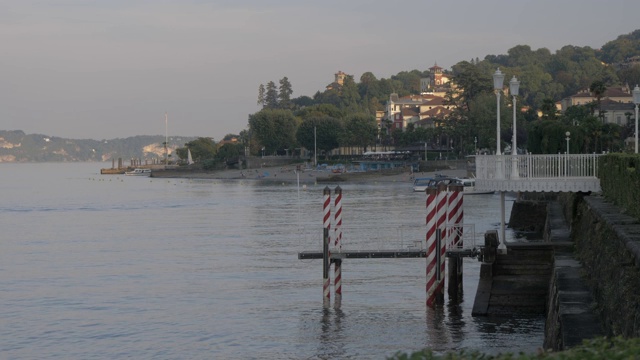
(104, 266)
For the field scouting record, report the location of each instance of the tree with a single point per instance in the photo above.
(482, 121)
(321, 132)
(271, 97)
(549, 110)
(320, 110)
(623, 47)
(261, 95)
(229, 152)
(369, 86)
(284, 96)
(598, 88)
(360, 130)
(275, 129)
(409, 80)
(547, 137)
(302, 101)
(201, 148)
(349, 96)
(574, 115)
(471, 81)
(630, 75)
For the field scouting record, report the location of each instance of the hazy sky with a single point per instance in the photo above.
(104, 69)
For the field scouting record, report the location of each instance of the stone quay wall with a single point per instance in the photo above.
(607, 244)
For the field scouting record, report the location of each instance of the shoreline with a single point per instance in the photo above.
(289, 175)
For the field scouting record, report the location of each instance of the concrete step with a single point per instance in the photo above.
(517, 301)
(500, 310)
(525, 258)
(523, 269)
(529, 285)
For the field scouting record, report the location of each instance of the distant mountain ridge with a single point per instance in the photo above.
(16, 146)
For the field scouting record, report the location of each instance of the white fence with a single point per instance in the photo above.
(577, 172)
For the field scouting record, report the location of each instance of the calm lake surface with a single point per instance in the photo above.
(104, 267)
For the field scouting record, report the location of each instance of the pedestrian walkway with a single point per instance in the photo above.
(570, 318)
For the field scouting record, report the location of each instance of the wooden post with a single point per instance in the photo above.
(337, 266)
(326, 264)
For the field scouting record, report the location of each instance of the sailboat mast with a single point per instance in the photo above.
(166, 139)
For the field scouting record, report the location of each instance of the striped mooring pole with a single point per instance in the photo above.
(432, 248)
(338, 246)
(436, 243)
(441, 224)
(326, 256)
(455, 219)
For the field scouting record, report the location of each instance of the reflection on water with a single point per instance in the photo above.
(110, 266)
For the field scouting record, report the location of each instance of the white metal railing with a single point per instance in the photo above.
(547, 166)
(538, 173)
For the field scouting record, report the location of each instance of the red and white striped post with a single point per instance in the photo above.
(326, 255)
(441, 224)
(455, 216)
(431, 247)
(338, 245)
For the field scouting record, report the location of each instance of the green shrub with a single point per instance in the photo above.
(594, 349)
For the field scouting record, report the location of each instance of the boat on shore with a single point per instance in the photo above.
(138, 172)
(421, 184)
(469, 185)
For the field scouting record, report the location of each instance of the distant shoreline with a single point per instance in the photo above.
(288, 174)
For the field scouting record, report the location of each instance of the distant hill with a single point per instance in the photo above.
(16, 146)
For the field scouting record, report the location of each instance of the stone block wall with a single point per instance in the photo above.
(608, 246)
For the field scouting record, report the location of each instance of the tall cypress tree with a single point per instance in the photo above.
(261, 95)
(271, 97)
(285, 93)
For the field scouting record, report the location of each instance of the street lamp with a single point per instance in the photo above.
(498, 80)
(475, 145)
(425, 151)
(566, 158)
(514, 86)
(636, 100)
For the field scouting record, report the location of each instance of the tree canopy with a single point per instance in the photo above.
(545, 79)
(274, 129)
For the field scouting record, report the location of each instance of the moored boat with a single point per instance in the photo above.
(421, 184)
(139, 172)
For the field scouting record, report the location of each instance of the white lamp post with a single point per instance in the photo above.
(425, 151)
(566, 158)
(498, 80)
(636, 100)
(475, 145)
(514, 86)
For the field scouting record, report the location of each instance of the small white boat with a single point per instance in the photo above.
(138, 172)
(421, 184)
(469, 185)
